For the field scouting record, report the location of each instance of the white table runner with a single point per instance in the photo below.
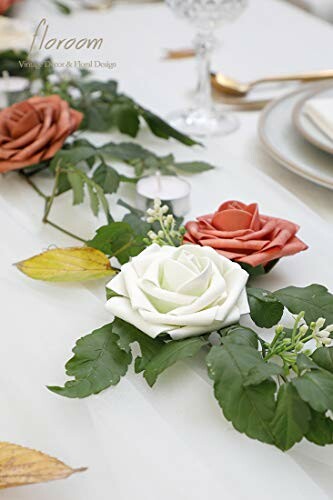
(172, 439)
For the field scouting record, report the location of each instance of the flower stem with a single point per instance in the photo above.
(167, 236)
(47, 221)
(34, 186)
(49, 202)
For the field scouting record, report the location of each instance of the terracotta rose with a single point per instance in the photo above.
(5, 4)
(240, 233)
(34, 130)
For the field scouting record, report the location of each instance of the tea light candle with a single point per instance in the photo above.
(10, 84)
(168, 188)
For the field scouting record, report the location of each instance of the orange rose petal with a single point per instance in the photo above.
(22, 118)
(38, 145)
(231, 219)
(54, 147)
(7, 166)
(77, 118)
(34, 130)
(240, 233)
(234, 244)
(25, 139)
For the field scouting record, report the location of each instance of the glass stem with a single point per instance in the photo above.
(204, 43)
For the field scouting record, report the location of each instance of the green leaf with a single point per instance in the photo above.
(119, 240)
(126, 151)
(139, 226)
(193, 167)
(107, 177)
(249, 408)
(128, 334)
(9, 61)
(126, 118)
(258, 270)
(77, 183)
(321, 429)
(305, 363)
(314, 300)
(292, 418)
(241, 335)
(169, 354)
(97, 117)
(265, 309)
(63, 184)
(63, 8)
(261, 372)
(315, 387)
(162, 129)
(98, 363)
(323, 357)
(94, 199)
(73, 155)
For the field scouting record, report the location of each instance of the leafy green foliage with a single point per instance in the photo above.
(261, 372)
(315, 300)
(323, 357)
(260, 270)
(193, 167)
(321, 429)
(246, 392)
(250, 408)
(62, 7)
(128, 334)
(162, 129)
(292, 418)
(265, 309)
(118, 239)
(98, 363)
(316, 388)
(105, 108)
(9, 61)
(74, 153)
(303, 362)
(78, 180)
(106, 177)
(241, 335)
(126, 118)
(169, 354)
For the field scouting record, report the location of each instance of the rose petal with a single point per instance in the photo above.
(122, 308)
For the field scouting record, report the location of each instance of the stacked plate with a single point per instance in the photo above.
(293, 139)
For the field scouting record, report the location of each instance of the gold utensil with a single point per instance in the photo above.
(230, 86)
(179, 53)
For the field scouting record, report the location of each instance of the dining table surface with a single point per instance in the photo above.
(172, 441)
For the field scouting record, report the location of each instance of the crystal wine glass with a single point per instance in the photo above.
(205, 119)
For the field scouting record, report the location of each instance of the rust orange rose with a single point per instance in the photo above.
(5, 4)
(34, 130)
(240, 233)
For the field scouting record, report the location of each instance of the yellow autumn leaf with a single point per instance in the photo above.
(20, 466)
(67, 264)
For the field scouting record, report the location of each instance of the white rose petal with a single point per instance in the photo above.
(185, 291)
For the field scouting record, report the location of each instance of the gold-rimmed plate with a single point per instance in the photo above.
(287, 146)
(306, 127)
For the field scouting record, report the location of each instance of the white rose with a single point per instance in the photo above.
(14, 35)
(184, 291)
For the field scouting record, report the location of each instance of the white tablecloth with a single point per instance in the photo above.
(172, 441)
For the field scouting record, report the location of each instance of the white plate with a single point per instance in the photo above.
(307, 127)
(287, 146)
